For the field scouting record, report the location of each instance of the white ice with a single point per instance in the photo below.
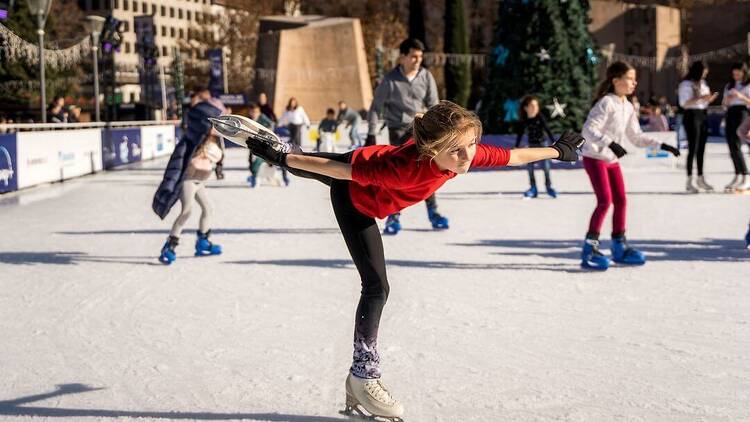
(490, 321)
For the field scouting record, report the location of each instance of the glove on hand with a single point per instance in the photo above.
(567, 146)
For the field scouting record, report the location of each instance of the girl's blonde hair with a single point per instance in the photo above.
(438, 129)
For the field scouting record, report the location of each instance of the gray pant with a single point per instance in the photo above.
(192, 190)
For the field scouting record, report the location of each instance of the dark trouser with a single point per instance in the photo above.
(398, 137)
(295, 134)
(734, 118)
(696, 129)
(545, 166)
(362, 238)
(255, 162)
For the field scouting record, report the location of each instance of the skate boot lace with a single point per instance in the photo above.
(377, 390)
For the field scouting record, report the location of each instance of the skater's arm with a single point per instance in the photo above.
(529, 155)
(635, 134)
(594, 129)
(320, 165)
(743, 131)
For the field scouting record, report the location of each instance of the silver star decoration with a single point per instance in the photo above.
(543, 55)
(557, 109)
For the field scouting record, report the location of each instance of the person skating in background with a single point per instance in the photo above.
(351, 119)
(266, 108)
(296, 120)
(199, 169)
(736, 100)
(327, 132)
(657, 121)
(611, 121)
(533, 124)
(376, 181)
(170, 188)
(695, 96)
(255, 113)
(406, 90)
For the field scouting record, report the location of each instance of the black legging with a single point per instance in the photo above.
(365, 245)
(398, 137)
(295, 134)
(735, 115)
(696, 128)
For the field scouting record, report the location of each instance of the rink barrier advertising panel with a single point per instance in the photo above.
(120, 146)
(46, 156)
(8, 163)
(157, 141)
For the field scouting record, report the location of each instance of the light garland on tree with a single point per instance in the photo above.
(14, 49)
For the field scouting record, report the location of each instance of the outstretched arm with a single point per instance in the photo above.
(320, 165)
(565, 149)
(529, 155)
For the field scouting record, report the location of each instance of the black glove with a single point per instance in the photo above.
(370, 140)
(617, 149)
(670, 149)
(567, 146)
(273, 153)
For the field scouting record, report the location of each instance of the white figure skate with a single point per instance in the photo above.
(244, 132)
(369, 399)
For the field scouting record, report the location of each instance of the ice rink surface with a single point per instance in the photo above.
(491, 320)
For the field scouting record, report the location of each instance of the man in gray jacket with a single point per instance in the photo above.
(406, 90)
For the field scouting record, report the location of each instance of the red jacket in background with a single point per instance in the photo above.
(387, 178)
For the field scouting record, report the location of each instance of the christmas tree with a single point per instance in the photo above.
(457, 71)
(541, 47)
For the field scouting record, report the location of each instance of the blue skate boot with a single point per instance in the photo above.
(392, 225)
(591, 257)
(531, 193)
(747, 239)
(551, 191)
(168, 254)
(438, 221)
(251, 180)
(204, 247)
(622, 253)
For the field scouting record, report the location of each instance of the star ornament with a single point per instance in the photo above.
(557, 109)
(543, 55)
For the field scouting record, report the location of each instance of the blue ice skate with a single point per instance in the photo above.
(168, 254)
(531, 193)
(551, 191)
(592, 258)
(622, 253)
(204, 247)
(438, 221)
(392, 225)
(251, 180)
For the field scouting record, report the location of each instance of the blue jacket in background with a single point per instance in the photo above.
(198, 127)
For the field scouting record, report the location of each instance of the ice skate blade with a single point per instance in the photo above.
(355, 412)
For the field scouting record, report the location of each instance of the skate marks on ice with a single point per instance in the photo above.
(17, 407)
(215, 232)
(708, 250)
(431, 265)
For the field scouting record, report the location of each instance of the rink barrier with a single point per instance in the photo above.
(53, 152)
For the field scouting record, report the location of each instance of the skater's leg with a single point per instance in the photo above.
(546, 166)
(206, 208)
(186, 200)
(692, 130)
(530, 169)
(701, 145)
(735, 116)
(597, 172)
(619, 199)
(365, 245)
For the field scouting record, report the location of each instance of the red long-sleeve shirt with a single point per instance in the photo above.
(387, 179)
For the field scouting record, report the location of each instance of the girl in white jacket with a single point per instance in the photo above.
(611, 121)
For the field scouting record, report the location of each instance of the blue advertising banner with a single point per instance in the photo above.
(120, 146)
(216, 68)
(8, 163)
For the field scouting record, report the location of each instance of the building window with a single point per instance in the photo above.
(135, 6)
(163, 11)
(198, 17)
(164, 51)
(95, 5)
(182, 34)
(124, 4)
(144, 7)
(125, 26)
(188, 15)
(153, 9)
(171, 32)
(117, 4)
(127, 47)
(163, 32)
(171, 12)
(179, 13)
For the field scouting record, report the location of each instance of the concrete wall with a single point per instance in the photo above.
(320, 64)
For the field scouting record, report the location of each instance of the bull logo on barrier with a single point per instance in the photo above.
(6, 173)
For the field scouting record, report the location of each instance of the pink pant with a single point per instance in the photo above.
(606, 179)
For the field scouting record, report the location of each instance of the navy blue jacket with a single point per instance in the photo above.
(198, 127)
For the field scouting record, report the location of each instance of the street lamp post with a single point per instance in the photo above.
(95, 25)
(40, 9)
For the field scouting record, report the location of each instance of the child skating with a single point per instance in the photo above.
(199, 169)
(533, 123)
(611, 121)
(377, 181)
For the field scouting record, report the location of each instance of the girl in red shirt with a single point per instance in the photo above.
(376, 181)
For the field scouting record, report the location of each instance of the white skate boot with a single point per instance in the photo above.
(703, 185)
(370, 399)
(690, 186)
